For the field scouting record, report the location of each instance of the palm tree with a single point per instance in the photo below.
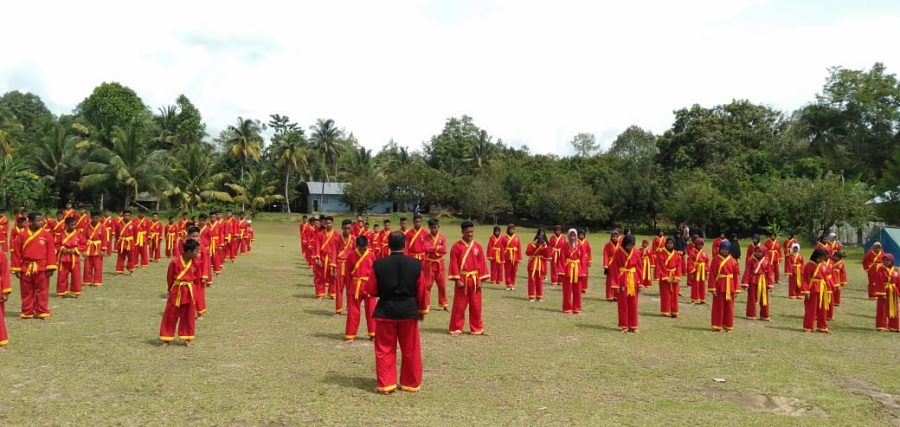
(257, 192)
(481, 149)
(9, 128)
(326, 140)
(16, 179)
(290, 157)
(244, 142)
(55, 157)
(194, 180)
(128, 166)
(166, 127)
(359, 164)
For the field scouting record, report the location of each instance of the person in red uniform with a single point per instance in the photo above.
(626, 269)
(825, 245)
(648, 264)
(183, 225)
(512, 256)
(817, 289)
(5, 282)
(324, 255)
(775, 255)
(751, 249)
(345, 247)
(111, 224)
(495, 252)
(382, 248)
(242, 233)
(609, 251)
(96, 245)
(216, 243)
(698, 271)
(182, 278)
(718, 240)
(251, 236)
(793, 269)
(468, 270)
(433, 268)
(571, 269)
(871, 264)
(171, 233)
(589, 259)
(373, 239)
(553, 247)
(5, 290)
(886, 305)
(58, 226)
(415, 239)
(786, 245)
(34, 262)
(839, 279)
(758, 280)
(669, 269)
(83, 219)
(403, 226)
(201, 262)
(71, 244)
(312, 235)
(154, 237)
(396, 281)
(359, 270)
(209, 245)
(724, 284)
(537, 251)
(659, 242)
(141, 241)
(231, 236)
(304, 223)
(125, 235)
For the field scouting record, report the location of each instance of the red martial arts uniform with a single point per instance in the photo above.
(112, 228)
(658, 245)
(415, 243)
(715, 246)
(125, 235)
(345, 247)
(5, 282)
(303, 226)
(69, 278)
(182, 278)
(537, 269)
(775, 256)
(626, 269)
(571, 269)
(609, 251)
(698, 274)
(872, 264)
(172, 233)
(202, 266)
(34, 255)
(759, 282)
(817, 290)
(840, 280)
(231, 238)
(724, 284)
(669, 269)
(886, 314)
(433, 268)
(495, 252)
(468, 269)
(154, 240)
(96, 245)
(215, 237)
(325, 251)
(648, 266)
(589, 260)
(242, 236)
(359, 271)
(141, 253)
(793, 269)
(512, 257)
(553, 246)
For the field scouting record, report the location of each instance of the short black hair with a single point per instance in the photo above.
(171, 217)
(95, 213)
(346, 222)
(203, 216)
(402, 218)
(331, 218)
(396, 241)
(466, 224)
(193, 229)
(432, 222)
(71, 220)
(21, 220)
(33, 216)
(155, 213)
(190, 245)
(126, 212)
(387, 221)
(362, 242)
(837, 255)
(417, 216)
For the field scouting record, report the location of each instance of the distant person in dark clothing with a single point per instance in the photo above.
(735, 246)
(397, 282)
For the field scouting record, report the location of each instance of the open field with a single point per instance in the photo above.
(269, 353)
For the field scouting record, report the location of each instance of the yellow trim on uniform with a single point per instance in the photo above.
(410, 389)
(386, 389)
(186, 338)
(167, 339)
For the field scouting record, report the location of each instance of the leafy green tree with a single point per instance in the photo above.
(483, 196)
(258, 191)
(190, 129)
(585, 144)
(291, 156)
(817, 205)
(326, 141)
(194, 180)
(363, 192)
(460, 148)
(113, 105)
(56, 160)
(697, 201)
(30, 112)
(10, 132)
(244, 142)
(18, 185)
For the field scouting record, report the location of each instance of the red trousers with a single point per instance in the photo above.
(753, 300)
(391, 332)
(776, 269)
(571, 294)
(5, 282)
(124, 257)
(698, 290)
(883, 321)
(336, 287)
(584, 281)
(154, 248)
(141, 254)
(628, 309)
(182, 317)
(497, 272)
(217, 259)
(248, 245)
(112, 245)
(235, 247)
(93, 271)
(535, 286)
(836, 297)
(35, 294)
(244, 246)
(668, 298)
(793, 287)
(722, 314)
(435, 272)
(170, 249)
(815, 315)
(509, 272)
(4, 337)
(320, 279)
(200, 299)
(353, 314)
(69, 278)
(610, 293)
(467, 295)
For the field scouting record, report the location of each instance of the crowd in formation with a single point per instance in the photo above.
(341, 261)
(76, 243)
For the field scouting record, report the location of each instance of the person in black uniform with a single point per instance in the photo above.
(397, 282)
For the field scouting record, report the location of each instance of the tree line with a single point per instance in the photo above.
(739, 166)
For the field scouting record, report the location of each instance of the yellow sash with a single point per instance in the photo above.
(179, 283)
(466, 275)
(891, 289)
(574, 269)
(727, 278)
(629, 281)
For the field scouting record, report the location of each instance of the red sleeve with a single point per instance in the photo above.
(429, 245)
(422, 297)
(613, 266)
(170, 274)
(372, 284)
(82, 242)
(482, 264)
(518, 250)
(453, 271)
(442, 250)
(530, 249)
(50, 254)
(315, 246)
(750, 265)
(737, 275)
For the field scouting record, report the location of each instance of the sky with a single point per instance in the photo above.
(530, 73)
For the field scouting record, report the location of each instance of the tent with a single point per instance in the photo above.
(890, 240)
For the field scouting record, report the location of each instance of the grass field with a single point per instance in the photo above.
(269, 353)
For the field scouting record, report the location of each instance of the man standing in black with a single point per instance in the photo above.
(397, 283)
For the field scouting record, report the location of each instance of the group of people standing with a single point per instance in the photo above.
(75, 244)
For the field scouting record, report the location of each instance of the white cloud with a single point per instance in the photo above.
(532, 73)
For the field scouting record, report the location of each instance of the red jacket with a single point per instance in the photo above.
(33, 252)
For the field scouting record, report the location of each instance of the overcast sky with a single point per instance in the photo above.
(531, 73)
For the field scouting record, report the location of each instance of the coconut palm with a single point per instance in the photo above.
(326, 140)
(290, 157)
(194, 180)
(9, 128)
(55, 157)
(244, 142)
(257, 192)
(166, 128)
(128, 167)
(358, 163)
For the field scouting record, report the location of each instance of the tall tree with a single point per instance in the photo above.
(191, 129)
(194, 180)
(290, 151)
(113, 105)
(55, 158)
(585, 144)
(326, 140)
(244, 142)
(30, 112)
(257, 192)
(10, 131)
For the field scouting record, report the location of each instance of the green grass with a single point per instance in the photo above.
(269, 353)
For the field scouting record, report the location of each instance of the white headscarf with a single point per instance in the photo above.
(795, 248)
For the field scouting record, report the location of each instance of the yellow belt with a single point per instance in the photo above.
(824, 295)
(646, 269)
(556, 254)
(574, 268)
(155, 236)
(435, 259)
(213, 243)
(140, 238)
(170, 240)
(94, 244)
(418, 256)
(629, 282)
(727, 286)
(497, 255)
(762, 293)
(32, 269)
(465, 276)
(700, 272)
(190, 286)
(123, 241)
(536, 267)
(797, 274)
(892, 303)
(359, 282)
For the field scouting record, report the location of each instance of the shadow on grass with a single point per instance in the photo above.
(792, 316)
(694, 328)
(798, 328)
(598, 327)
(329, 336)
(865, 316)
(855, 328)
(319, 312)
(434, 330)
(550, 309)
(305, 296)
(346, 381)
